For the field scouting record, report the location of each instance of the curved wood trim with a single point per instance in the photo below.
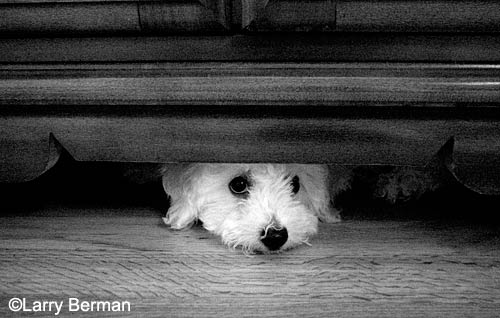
(249, 84)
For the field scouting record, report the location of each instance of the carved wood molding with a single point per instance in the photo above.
(249, 84)
(352, 47)
(378, 113)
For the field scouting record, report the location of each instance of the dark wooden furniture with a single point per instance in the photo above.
(309, 81)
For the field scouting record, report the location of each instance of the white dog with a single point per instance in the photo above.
(258, 207)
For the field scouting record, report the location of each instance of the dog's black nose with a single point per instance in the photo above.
(274, 238)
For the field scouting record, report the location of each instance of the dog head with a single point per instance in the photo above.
(258, 207)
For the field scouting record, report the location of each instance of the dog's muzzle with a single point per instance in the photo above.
(274, 238)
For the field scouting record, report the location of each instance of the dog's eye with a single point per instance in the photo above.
(239, 185)
(295, 184)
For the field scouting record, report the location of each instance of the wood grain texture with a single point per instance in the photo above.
(245, 11)
(418, 16)
(353, 269)
(23, 158)
(367, 16)
(214, 16)
(286, 15)
(188, 16)
(106, 17)
(351, 47)
(69, 18)
(248, 84)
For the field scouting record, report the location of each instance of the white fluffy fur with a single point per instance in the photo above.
(201, 192)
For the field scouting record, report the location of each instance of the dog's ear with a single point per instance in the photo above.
(178, 184)
(325, 210)
(339, 180)
(321, 191)
(330, 215)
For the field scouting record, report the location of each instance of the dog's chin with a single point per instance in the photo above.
(263, 250)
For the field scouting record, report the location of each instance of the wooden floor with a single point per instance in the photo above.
(353, 269)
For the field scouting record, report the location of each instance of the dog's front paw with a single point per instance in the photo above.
(402, 185)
